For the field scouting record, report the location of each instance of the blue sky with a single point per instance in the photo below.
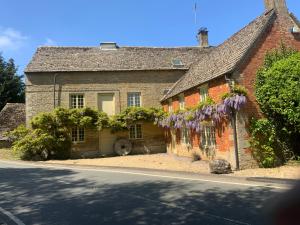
(25, 25)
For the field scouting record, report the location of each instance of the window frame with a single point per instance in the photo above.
(208, 136)
(181, 101)
(134, 99)
(77, 100)
(78, 139)
(185, 138)
(170, 105)
(203, 89)
(136, 137)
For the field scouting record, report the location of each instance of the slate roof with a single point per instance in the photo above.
(11, 116)
(295, 19)
(76, 59)
(224, 58)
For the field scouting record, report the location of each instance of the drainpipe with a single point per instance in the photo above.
(236, 148)
(231, 84)
(54, 85)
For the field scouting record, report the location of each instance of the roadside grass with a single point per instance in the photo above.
(8, 154)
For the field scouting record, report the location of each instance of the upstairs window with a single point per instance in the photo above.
(208, 136)
(134, 99)
(181, 102)
(170, 105)
(77, 101)
(135, 131)
(203, 93)
(78, 135)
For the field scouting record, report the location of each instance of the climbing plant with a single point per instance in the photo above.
(191, 118)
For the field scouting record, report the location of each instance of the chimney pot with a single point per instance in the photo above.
(203, 37)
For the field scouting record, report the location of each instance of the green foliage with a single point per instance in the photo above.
(236, 90)
(49, 137)
(265, 145)
(278, 93)
(11, 86)
(131, 115)
(17, 134)
(208, 102)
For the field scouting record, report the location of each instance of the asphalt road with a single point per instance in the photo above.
(33, 194)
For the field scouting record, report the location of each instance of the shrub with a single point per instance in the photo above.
(49, 137)
(268, 150)
(278, 93)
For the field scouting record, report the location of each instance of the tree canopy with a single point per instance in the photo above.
(11, 85)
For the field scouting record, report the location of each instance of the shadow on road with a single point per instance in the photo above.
(43, 196)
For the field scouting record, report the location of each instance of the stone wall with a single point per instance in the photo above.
(11, 116)
(151, 85)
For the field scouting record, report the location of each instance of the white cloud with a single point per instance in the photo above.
(50, 42)
(11, 39)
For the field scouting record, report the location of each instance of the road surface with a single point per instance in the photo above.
(37, 194)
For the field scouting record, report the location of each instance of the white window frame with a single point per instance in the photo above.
(132, 99)
(136, 135)
(203, 90)
(208, 136)
(170, 105)
(76, 135)
(76, 106)
(181, 102)
(185, 136)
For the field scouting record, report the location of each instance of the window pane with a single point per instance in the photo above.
(181, 102)
(77, 101)
(132, 132)
(81, 134)
(208, 136)
(135, 132)
(80, 101)
(139, 131)
(134, 99)
(73, 101)
(74, 135)
(203, 93)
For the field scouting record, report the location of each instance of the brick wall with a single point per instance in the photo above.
(276, 34)
(224, 133)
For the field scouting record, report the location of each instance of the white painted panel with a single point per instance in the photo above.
(107, 103)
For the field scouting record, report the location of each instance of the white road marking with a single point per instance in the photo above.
(148, 175)
(11, 216)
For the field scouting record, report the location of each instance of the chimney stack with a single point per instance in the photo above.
(279, 5)
(203, 37)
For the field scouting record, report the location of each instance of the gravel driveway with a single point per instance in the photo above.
(183, 164)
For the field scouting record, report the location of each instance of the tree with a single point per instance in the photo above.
(278, 93)
(11, 85)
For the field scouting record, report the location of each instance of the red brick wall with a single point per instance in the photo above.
(277, 33)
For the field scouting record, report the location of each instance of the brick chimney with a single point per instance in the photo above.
(203, 37)
(279, 5)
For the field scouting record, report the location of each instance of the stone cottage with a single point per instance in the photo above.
(111, 78)
(235, 61)
(11, 116)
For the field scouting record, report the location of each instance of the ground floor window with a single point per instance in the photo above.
(135, 131)
(185, 136)
(208, 136)
(78, 134)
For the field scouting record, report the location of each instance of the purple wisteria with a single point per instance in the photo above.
(192, 119)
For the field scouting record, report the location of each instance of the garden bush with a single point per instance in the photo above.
(267, 148)
(277, 91)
